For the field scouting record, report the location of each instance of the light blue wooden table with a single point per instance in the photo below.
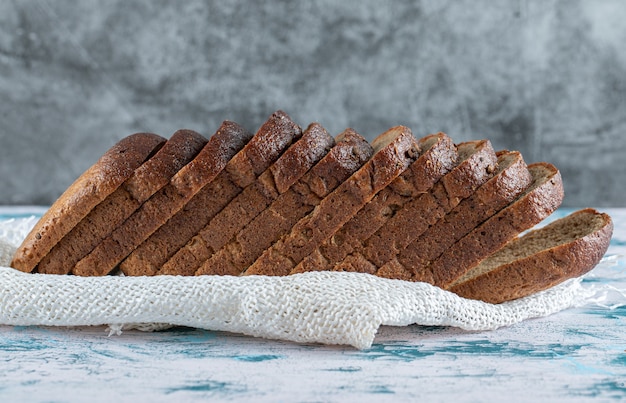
(575, 355)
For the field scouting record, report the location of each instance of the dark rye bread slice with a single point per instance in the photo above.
(89, 189)
(242, 169)
(211, 160)
(349, 154)
(394, 151)
(509, 181)
(564, 249)
(275, 180)
(477, 164)
(541, 199)
(438, 156)
(151, 176)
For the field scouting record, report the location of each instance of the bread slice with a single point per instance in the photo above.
(278, 178)
(394, 151)
(167, 201)
(509, 181)
(349, 154)
(241, 169)
(438, 156)
(89, 189)
(540, 200)
(151, 176)
(542, 258)
(478, 162)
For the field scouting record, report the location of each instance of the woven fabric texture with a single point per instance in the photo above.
(316, 307)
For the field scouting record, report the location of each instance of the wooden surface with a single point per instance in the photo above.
(576, 355)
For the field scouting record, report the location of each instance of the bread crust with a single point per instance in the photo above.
(275, 180)
(437, 157)
(394, 151)
(89, 189)
(147, 179)
(544, 269)
(349, 153)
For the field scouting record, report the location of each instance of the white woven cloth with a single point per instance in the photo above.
(320, 307)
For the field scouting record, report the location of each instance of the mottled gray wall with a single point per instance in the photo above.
(545, 77)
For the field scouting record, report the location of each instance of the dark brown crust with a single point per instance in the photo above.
(166, 202)
(542, 198)
(425, 210)
(151, 176)
(93, 186)
(542, 270)
(350, 152)
(510, 180)
(395, 150)
(241, 170)
(438, 156)
(292, 164)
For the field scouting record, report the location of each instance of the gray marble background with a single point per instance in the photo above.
(547, 78)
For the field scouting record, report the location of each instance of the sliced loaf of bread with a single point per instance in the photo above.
(93, 186)
(350, 153)
(282, 202)
(540, 259)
